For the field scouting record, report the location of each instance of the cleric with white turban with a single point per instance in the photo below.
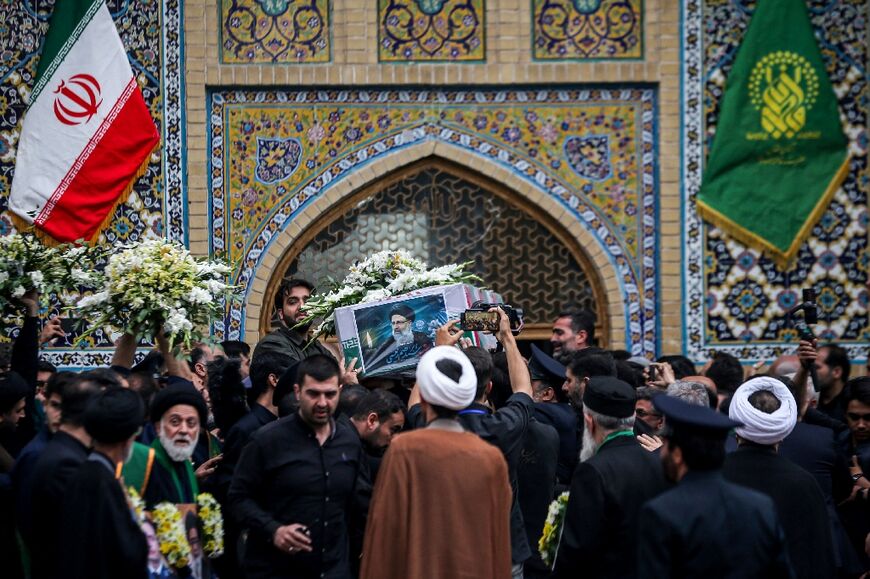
(446, 378)
(758, 426)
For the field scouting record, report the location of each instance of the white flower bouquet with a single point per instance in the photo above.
(27, 264)
(156, 285)
(384, 274)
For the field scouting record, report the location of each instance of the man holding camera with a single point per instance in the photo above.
(504, 428)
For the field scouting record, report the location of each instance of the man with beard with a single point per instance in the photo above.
(378, 417)
(299, 481)
(404, 343)
(706, 526)
(832, 370)
(164, 472)
(573, 331)
(101, 538)
(288, 339)
(615, 477)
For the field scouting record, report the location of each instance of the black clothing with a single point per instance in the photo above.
(814, 449)
(711, 528)
(25, 361)
(607, 493)
(291, 343)
(161, 486)
(234, 443)
(562, 417)
(536, 479)
(506, 429)
(285, 476)
(101, 538)
(22, 482)
(836, 408)
(799, 503)
(236, 440)
(61, 459)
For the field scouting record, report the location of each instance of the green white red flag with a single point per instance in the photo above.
(87, 134)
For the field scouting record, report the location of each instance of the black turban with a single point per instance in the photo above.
(12, 389)
(114, 415)
(178, 394)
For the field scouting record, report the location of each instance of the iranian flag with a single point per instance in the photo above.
(87, 134)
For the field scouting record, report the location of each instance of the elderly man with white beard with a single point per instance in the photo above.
(615, 477)
(164, 472)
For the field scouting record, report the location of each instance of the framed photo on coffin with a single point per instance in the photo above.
(389, 337)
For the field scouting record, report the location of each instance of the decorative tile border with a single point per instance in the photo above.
(734, 299)
(440, 118)
(583, 30)
(275, 31)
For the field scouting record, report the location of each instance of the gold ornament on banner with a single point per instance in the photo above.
(784, 87)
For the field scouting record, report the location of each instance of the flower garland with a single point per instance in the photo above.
(384, 274)
(548, 544)
(137, 504)
(212, 525)
(157, 285)
(170, 534)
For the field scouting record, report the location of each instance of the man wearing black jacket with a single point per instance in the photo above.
(297, 483)
(615, 477)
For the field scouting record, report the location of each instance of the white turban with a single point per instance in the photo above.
(758, 426)
(442, 390)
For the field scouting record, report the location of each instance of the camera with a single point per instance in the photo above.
(478, 318)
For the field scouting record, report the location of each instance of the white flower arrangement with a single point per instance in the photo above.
(383, 275)
(26, 264)
(157, 285)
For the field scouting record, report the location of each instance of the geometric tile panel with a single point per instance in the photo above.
(275, 31)
(151, 32)
(587, 29)
(592, 149)
(431, 30)
(736, 299)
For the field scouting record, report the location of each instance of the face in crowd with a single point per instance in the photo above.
(317, 399)
(858, 420)
(178, 431)
(291, 311)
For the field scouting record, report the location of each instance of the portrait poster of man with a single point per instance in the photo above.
(198, 566)
(395, 335)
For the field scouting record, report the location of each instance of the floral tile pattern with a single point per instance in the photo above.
(275, 31)
(607, 182)
(735, 298)
(431, 30)
(587, 29)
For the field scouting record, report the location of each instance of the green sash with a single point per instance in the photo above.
(166, 462)
(137, 470)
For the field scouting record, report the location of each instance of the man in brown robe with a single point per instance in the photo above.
(442, 502)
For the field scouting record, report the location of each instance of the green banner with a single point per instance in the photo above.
(779, 153)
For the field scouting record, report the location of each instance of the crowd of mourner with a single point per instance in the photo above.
(671, 469)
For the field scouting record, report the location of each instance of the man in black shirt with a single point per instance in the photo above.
(299, 481)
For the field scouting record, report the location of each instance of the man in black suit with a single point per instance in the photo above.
(62, 457)
(706, 526)
(615, 477)
(768, 412)
(102, 540)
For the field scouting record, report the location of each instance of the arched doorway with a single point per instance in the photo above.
(443, 212)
